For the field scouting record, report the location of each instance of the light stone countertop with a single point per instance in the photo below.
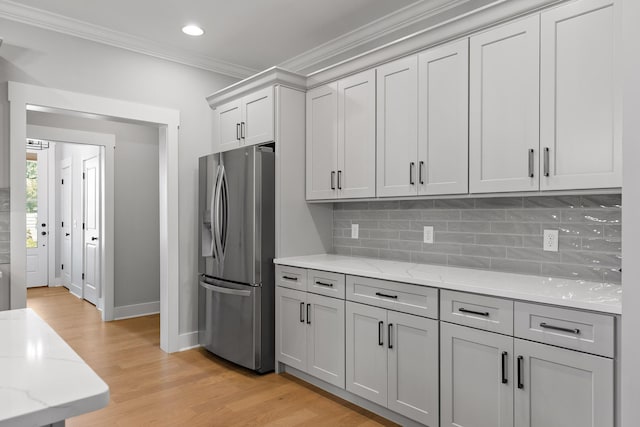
(602, 297)
(42, 380)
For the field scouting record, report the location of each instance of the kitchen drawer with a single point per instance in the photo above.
(578, 330)
(412, 299)
(488, 313)
(325, 283)
(291, 277)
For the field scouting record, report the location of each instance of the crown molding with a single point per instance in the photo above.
(51, 21)
(371, 32)
(269, 77)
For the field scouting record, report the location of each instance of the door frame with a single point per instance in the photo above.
(23, 97)
(43, 156)
(101, 230)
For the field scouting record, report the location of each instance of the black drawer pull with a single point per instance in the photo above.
(324, 284)
(560, 328)
(308, 315)
(505, 357)
(479, 313)
(386, 296)
(390, 343)
(520, 373)
(290, 278)
(380, 340)
(301, 312)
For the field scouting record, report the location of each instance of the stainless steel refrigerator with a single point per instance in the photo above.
(237, 245)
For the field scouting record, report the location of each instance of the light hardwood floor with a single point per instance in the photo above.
(191, 388)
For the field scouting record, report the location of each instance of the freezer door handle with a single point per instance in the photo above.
(223, 290)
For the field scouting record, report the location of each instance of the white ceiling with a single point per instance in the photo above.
(241, 36)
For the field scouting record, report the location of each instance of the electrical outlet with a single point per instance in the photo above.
(354, 231)
(550, 241)
(428, 234)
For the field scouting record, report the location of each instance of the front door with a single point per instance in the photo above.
(91, 244)
(36, 211)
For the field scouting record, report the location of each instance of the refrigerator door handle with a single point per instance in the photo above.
(228, 291)
(224, 200)
(216, 215)
(214, 247)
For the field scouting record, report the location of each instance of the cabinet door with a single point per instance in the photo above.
(412, 344)
(580, 100)
(366, 352)
(257, 117)
(227, 120)
(503, 108)
(322, 142)
(357, 135)
(291, 330)
(476, 375)
(325, 339)
(562, 388)
(397, 128)
(443, 105)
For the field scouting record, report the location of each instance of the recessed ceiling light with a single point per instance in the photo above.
(192, 30)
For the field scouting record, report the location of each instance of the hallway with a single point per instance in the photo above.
(150, 387)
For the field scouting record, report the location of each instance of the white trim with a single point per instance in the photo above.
(22, 95)
(136, 310)
(188, 341)
(372, 31)
(75, 290)
(52, 21)
(459, 21)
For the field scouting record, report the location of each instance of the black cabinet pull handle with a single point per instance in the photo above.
(339, 180)
(505, 358)
(324, 284)
(386, 296)
(380, 340)
(308, 315)
(546, 161)
(530, 162)
(238, 131)
(390, 342)
(520, 373)
(420, 168)
(301, 312)
(479, 313)
(333, 177)
(242, 126)
(411, 173)
(290, 278)
(560, 328)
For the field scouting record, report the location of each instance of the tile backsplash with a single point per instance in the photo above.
(4, 226)
(503, 234)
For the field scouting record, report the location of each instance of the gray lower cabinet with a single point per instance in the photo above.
(310, 334)
(493, 380)
(476, 377)
(392, 360)
(562, 388)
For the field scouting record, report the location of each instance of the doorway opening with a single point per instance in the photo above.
(64, 216)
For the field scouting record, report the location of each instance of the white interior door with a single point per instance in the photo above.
(91, 223)
(37, 209)
(66, 186)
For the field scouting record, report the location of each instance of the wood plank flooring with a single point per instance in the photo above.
(194, 388)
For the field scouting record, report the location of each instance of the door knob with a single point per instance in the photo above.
(44, 233)
(44, 225)
(94, 239)
(67, 234)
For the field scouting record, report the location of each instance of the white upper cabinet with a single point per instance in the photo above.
(322, 142)
(397, 128)
(341, 139)
(357, 136)
(504, 108)
(245, 121)
(580, 102)
(256, 126)
(227, 120)
(443, 102)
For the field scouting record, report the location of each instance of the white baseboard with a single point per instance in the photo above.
(188, 341)
(74, 289)
(136, 310)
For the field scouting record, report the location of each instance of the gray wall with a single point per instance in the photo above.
(137, 220)
(45, 58)
(4, 248)
(503, 234)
